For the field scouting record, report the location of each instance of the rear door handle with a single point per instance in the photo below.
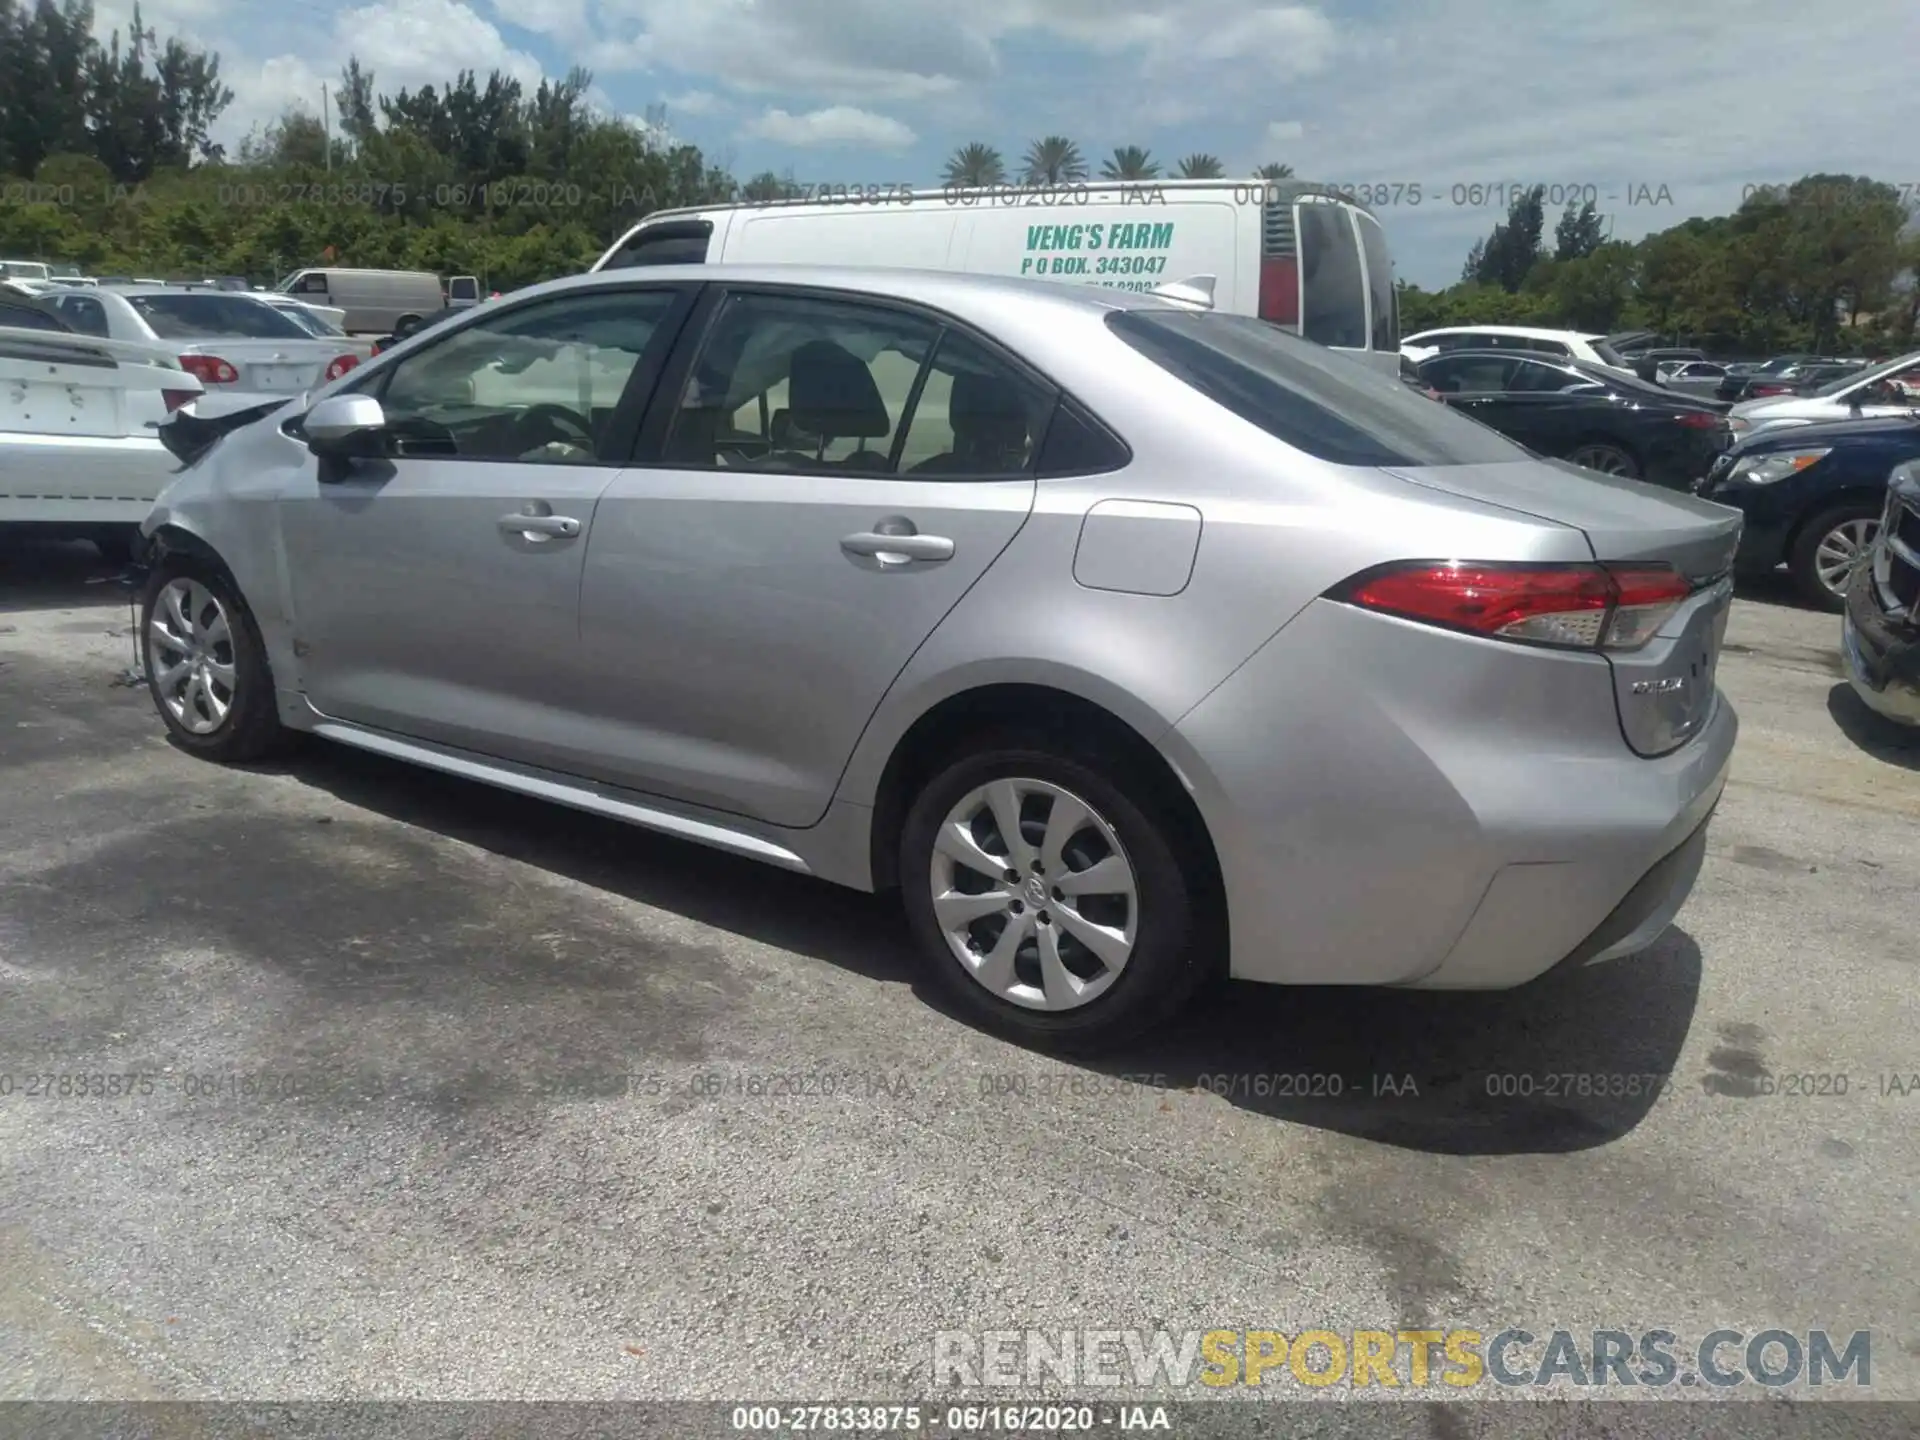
(897, 549)
(542, 525)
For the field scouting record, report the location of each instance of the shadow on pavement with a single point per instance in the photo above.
(55, 575)
(1874, 734)
(1571, 1061)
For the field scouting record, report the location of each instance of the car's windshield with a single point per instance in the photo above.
(1869, 377)
(1325, 404)
(213, 315)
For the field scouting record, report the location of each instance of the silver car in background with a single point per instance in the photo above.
(1864, 392)
(1131, 643)
(233, 343)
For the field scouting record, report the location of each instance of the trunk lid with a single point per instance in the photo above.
(1664, 691)
(273, 367)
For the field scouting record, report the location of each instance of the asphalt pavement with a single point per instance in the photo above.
(432, 1091)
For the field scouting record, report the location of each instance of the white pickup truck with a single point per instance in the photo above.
(80, 453)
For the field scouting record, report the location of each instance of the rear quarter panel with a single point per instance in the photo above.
(1278, 528)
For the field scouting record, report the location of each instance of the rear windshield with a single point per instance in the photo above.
(1333, 407)
(212, 315)
(313, 324)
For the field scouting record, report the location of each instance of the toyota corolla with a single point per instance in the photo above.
(1131, 642)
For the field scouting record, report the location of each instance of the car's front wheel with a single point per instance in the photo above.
(206, 665)
(1827, 550)
(1048, 896)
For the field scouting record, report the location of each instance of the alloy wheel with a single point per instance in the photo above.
(1604, 458)
(190, 655)
(1841, 550)
(1034, 894)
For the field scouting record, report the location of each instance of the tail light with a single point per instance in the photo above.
(209, 369)
(1570, 607)
(1769, 389)
(174, 399)
(341, 365)
(1698, 419)
(1279, 290)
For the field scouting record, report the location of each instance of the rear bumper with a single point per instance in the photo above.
(1396, 807)
(80, 479)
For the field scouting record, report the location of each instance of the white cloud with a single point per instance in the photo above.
(404, 43)
(694, 102)
(1283, 132)
(837, 125)
(1508, 94)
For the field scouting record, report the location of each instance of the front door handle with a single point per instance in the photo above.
(897, 549)
(540, 525)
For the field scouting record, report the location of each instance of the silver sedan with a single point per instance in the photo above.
(1131, 643)
(234, 343)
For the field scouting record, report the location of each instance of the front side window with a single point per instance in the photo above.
(211, 315)
(1468, 374)
(833, 381)
(1324, 405)
(680, 243)
(536, 383)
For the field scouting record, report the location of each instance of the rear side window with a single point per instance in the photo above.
(1330, 406)
(1335, 289)
(681, 243)
(84, 313)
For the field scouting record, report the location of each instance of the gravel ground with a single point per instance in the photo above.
(463, 1198)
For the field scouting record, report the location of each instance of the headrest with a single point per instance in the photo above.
(831, 393)
(985, 402)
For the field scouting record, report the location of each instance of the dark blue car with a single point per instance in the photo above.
(1812, 495)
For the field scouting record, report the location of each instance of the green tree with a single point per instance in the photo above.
(1201, 167)
(975, 164)
(1054, 160)
(1273, 170)
(1129, 162)
(1580, 232)
(1505, 256)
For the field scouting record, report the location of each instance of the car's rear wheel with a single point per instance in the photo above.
(206, 665)
(1049, 897)
(1828, 548)
(1607, 459)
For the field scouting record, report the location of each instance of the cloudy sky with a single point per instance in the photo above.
(1661, 109)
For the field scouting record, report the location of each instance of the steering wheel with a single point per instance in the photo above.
(556, 422)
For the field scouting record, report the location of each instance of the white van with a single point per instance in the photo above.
(374, 302)
(1301, 255)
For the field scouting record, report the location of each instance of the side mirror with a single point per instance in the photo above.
(346, 427)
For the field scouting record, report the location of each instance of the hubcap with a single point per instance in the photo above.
(1034, 894)
(1840, 550)
(1607, 462)
(190, 656)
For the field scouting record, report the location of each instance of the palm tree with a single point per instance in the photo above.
(1273, 170)
(976, 164)
(1130, 162)
(1053, 160)
(1201, 167)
